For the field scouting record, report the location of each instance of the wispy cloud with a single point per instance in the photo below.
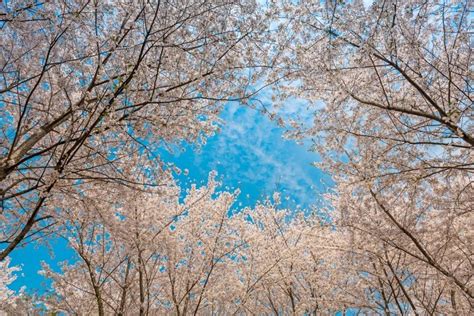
(250, 153)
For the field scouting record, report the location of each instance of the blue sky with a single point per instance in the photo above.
(249, 153)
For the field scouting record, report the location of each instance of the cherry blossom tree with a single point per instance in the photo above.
(88, 86)
(149, 255)
(290, 264)
(392, 84)
(6, 278)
